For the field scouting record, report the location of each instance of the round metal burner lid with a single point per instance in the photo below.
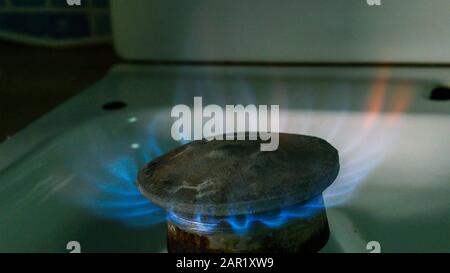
(231, 177)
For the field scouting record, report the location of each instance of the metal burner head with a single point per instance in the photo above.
(220, 179)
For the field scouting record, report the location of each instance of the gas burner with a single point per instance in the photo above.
(228, 196)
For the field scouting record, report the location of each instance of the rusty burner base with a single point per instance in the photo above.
(295, 236)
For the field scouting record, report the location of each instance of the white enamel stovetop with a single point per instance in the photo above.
(70, 175)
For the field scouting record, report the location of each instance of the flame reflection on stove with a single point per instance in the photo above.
(362, 141)
(240, 224)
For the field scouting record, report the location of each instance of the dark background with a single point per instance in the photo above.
(40, 66)
(34, 80)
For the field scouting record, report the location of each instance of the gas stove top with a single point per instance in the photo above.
(70, 176)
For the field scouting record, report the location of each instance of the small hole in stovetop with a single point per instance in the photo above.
(114, 105)
(440, 93)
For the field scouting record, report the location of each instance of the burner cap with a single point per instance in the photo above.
(233, 177)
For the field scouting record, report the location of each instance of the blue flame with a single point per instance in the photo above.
(361, 150)
(115, 195)
(240, 224)
(111, 190)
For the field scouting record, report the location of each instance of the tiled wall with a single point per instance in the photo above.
(55, 19)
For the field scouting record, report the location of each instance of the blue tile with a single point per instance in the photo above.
(70, 25)
(101, 3)
(44, 24)
(63, 3)
(58, 3)
(28, 3)
(102, 24)
(3, 21)
(24, 24)
(84, 3)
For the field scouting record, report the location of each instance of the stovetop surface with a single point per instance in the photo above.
(70, 175)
